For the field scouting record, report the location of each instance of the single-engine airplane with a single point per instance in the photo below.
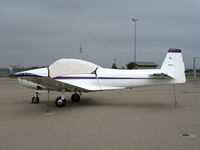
(78, 76)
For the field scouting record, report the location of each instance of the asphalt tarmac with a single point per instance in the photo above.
(143, 118)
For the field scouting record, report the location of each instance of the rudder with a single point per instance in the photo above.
(173, 65)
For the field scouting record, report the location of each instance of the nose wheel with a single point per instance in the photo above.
(60, 102)
(35, 100)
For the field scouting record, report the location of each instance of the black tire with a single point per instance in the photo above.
(35, 100)
(60, 102)
(75, 98)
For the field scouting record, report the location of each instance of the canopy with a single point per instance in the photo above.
(71, 67)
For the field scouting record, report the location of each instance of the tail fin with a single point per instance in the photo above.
(173, 65)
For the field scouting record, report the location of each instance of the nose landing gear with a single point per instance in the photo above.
(36, 99)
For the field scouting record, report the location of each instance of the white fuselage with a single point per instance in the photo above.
(107, 79)
(104, 79)
(97, 78)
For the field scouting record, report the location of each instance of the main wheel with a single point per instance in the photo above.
(35, 100)
(75, 98)
(60, 102)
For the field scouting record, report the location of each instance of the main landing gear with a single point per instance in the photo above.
(60, 101)
(75, 98)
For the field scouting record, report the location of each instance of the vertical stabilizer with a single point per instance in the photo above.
(173, 65)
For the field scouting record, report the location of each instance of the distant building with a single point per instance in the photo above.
(11, 70)
(145, 65)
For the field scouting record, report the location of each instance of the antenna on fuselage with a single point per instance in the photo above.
(81, 50)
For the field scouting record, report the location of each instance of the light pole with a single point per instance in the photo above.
(194, 68)
(135, 20)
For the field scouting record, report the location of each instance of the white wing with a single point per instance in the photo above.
(53, 84)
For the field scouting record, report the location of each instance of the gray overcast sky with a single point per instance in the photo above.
(38, 32)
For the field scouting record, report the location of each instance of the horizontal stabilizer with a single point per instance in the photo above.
(161, 76)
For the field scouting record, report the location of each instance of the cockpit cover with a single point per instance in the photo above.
(71, 67)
